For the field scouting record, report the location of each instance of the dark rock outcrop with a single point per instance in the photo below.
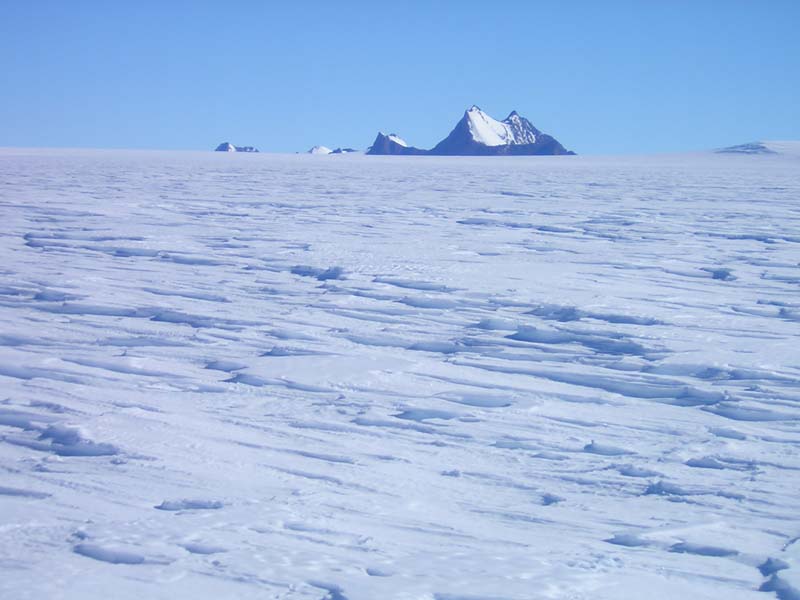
(751, 148)
(228, 147)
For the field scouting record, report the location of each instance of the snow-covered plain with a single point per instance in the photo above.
(252, 376)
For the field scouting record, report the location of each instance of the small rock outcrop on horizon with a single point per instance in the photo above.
(326, 150)
(478, 134)
(320, 150)
(749, 148)
(228, 147)
(781, 148)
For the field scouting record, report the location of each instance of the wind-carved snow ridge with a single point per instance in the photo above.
(356, 379)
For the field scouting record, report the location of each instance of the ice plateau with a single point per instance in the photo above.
(281, 377)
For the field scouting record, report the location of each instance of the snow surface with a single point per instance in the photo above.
(398, 140)
(789, 148)
(446, 379)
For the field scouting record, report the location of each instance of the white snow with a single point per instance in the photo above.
(486, 130)
(519, 134)
(397, 139)
(789, 148)
(320, 150)
(491, 132)
(444, 379)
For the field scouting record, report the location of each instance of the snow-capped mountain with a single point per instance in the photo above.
(392, 144)
(228, 147)
(478, 134)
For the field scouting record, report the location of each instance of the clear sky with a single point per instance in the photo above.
(601, 76)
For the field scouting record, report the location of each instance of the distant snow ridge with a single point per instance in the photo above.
(478, 134)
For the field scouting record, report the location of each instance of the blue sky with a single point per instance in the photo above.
(602, 77)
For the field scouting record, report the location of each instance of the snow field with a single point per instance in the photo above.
(417, 378)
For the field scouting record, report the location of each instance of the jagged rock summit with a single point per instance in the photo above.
(228, 147)
(478, 134)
